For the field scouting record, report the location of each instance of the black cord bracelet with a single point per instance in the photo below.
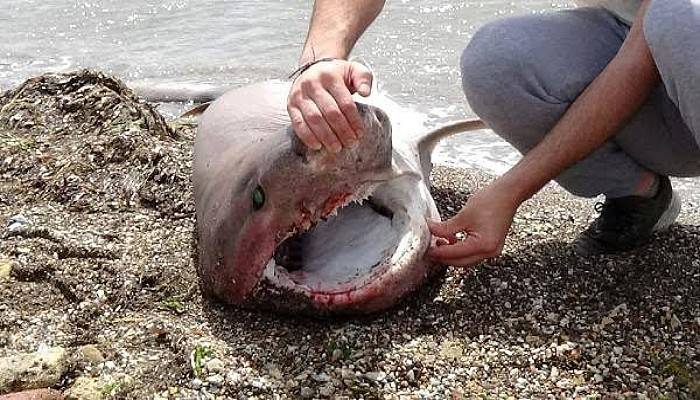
(297, 72)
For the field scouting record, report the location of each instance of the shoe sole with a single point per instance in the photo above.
(670, 215)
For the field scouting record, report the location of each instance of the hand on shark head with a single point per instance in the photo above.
(477, 232)
(321, 107)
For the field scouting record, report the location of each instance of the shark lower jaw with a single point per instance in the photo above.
(348, 259)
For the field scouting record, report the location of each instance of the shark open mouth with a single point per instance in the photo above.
(341, 253)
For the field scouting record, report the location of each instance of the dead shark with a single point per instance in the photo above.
(282, 227)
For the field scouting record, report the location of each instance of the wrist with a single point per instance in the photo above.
(511, 190)
(312, 53)
(297, 72)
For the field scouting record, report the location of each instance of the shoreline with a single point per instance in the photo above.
(118, 276)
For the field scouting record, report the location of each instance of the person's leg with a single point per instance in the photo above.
(672, 31)
(520, 74)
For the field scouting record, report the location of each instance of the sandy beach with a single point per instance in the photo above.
(98, 280)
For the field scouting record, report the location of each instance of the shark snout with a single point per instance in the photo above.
(373, 116)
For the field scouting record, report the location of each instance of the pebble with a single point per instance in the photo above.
(5, 269)
(215, 366)
(306, 392)
(17, 223)
(376, 376)
(675, 322)
(91, 354)
(33, 370)
(85, 389)
(411, 376)
(322, 377)
(216, 380)
(326, 390)
(39, 394)
(554, 374)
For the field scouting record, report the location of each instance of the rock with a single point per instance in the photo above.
(307, 392)
(215, 380)
(376, 376)
(33, 370)
(5, 269)
(532, 340)
(91, 354)
(346, 373)
(274, 371)
(411, 376)
(564, 384)
(326, 390)
(451, 350)
(16, 224)
(215, 366)
(675, 322)
(40, 394)
(85, 389)
(554, 374)
(322, 377)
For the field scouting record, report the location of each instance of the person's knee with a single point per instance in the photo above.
(490, 65)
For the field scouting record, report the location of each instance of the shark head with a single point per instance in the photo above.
(284, 227)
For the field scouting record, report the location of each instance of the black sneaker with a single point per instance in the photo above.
(628, 222)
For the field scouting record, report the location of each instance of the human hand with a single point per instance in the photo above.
(321, 107)
(484, 220)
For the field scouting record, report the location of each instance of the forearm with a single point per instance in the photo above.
(336, 25)
(596, 115)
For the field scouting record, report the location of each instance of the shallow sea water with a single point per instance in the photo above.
(413, 47)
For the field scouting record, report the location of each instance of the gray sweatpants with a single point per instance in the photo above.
(520, 74)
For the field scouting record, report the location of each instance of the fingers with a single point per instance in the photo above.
(321, 107)
(456, 250)
(444, 229)
(335, 117)
(464, 253)
(360, 79)
(313, 118)
(302, 129)
(450, 250)
(347, 107)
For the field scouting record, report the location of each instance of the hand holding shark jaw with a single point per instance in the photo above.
(484, 222)
(287, 228)
(321, 107)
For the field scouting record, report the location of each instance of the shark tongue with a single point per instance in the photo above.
(325, 258)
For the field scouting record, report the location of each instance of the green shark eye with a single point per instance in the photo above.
(258, 198)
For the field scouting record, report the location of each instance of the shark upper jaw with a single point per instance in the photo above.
(368, 250)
